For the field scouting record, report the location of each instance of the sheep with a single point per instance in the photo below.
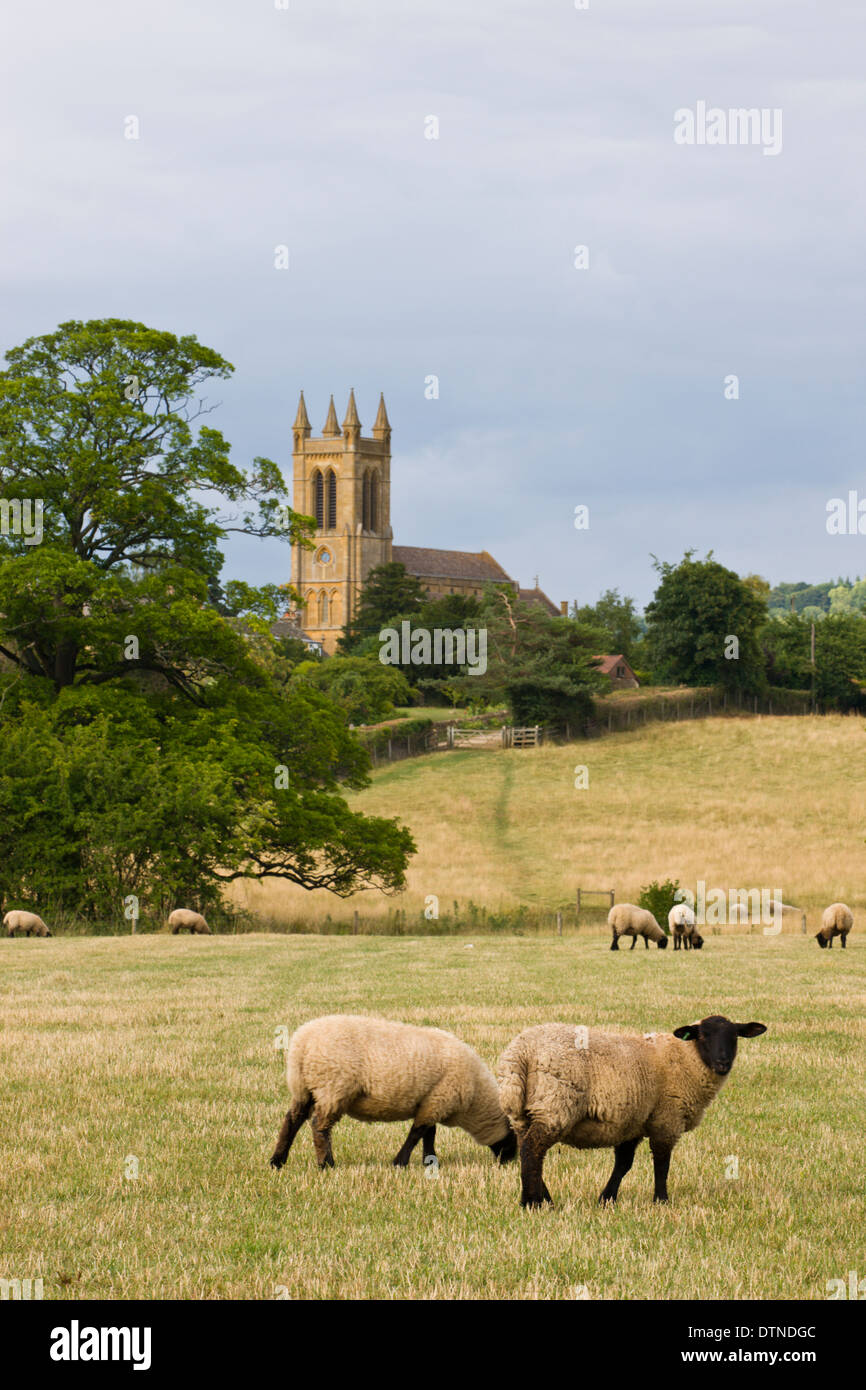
(592, 1089)
(697, 941)
(836, 920)
(27, 923)
(627, 920)
(183, 917)
(681, 920)
(374, 1069)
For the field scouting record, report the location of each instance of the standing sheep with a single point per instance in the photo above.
(836, 920)
(595, 1090)
(183, 917)
(25, 923)
(373, 1069)
(681, 920)
(627, 920)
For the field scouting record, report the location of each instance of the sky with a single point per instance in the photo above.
(605, 385)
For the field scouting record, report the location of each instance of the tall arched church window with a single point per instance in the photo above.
(332, 501)
(374, 502)
(319, 499)
(365, 501)
(323, 607)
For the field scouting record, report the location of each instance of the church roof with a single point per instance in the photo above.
(539, 597)
(450, 564)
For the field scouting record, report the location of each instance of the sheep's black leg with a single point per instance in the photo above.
(633, 942)
(415, 1133)
(291, 1124)
(646, 942)
(321, 1127)
(676, 941)
(614, 945)
(623, 1159)
(661, 1163)
(830, 943)
(428, 1143)
(533, 1191)
(844, 938)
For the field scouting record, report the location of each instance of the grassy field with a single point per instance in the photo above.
(739, 803)
(161, 1050)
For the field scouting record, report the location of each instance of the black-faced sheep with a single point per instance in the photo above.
(183, 918)
(25, 924)
(591, 1089)
(373, 1069)
(627, 920)
(836, 920)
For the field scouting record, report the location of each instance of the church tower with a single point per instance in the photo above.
(343, 480)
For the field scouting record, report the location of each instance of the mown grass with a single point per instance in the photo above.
(739, 803)
(162, 1049)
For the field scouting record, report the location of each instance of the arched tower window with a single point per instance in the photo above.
(365, 501)
(319, 499)
(332, 501)
(374, 501)
(334, 608)
(323, 608)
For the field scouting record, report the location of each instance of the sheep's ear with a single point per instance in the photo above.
(751, 1030)
(688, 1032)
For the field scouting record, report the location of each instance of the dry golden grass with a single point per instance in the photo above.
(162, 1049)
(739, 803)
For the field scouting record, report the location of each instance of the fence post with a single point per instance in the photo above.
(355, 923)
(578, 901)
(559, 923)
(804, 924)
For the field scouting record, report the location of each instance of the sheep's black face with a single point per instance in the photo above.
(663, 944)
(716, 1040)
(697, 941)
(505, 1149)
(821, 940)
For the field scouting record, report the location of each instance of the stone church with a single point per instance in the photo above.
(343, 479)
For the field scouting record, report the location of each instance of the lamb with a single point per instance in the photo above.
(27, 923)
(836, 920)
(183, 917)
(374, 1069)
(681, 920)
(627, 920)
(592, 1089)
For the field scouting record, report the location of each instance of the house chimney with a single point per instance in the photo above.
(563, 608)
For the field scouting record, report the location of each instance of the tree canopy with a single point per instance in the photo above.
(155, 744)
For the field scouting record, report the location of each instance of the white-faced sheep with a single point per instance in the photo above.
(836, 920)
(591, 1089)
(627, 920)
(183, 918)
(681, 920)
(373, 1069)
(25, 924)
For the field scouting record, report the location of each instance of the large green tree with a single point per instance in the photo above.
(154, 744)
(703, 624)
(542, 667)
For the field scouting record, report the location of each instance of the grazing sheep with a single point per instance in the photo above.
(627, 920)
(836, 920)
(697, 941)
(373, 1069)
(681, 920)
(595, 1090)
(25, 923)
(183, 917)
